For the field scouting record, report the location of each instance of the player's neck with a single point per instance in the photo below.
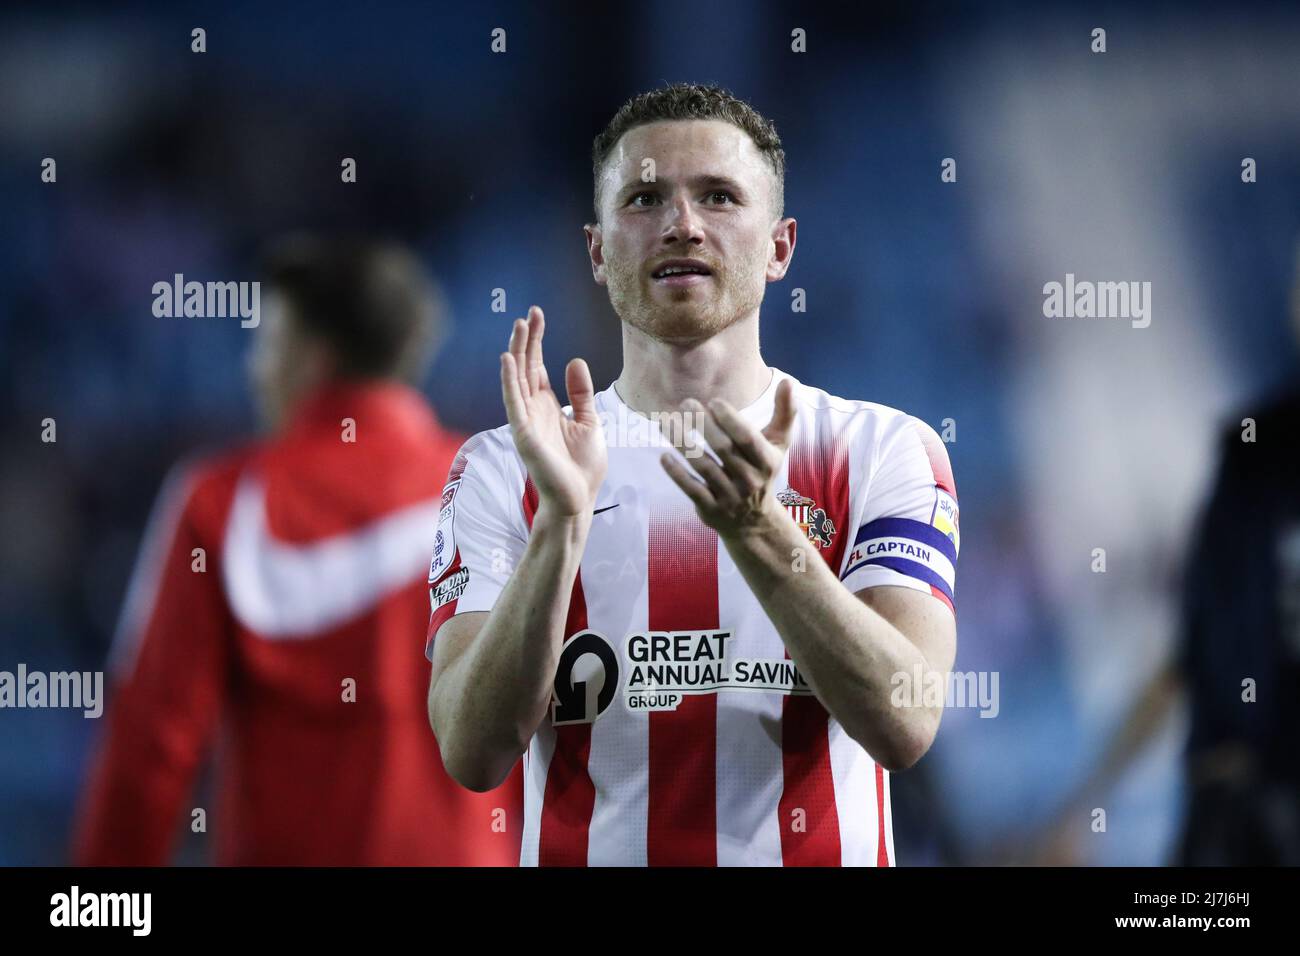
(658, 376)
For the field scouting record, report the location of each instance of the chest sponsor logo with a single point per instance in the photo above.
(661, 669)
(664, 667)
(813, 521)
(586, 679)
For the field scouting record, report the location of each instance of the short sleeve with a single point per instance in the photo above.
(909, 533)
(481, 532)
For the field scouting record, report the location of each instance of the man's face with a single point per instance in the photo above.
(710, 204)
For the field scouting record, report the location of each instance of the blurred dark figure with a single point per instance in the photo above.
(1243, 623)
(280, 599)
(1240, 623)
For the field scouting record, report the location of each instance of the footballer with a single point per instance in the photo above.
(268, 622)
(693, 643)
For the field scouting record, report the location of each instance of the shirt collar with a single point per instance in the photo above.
(757, 412)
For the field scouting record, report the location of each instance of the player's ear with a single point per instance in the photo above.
(595, 251)
(783, 236)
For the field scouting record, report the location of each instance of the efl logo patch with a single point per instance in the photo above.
(449, 493)
(449, 590)
(813, 521)
(443, 541)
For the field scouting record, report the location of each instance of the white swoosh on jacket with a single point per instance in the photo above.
(292, 591)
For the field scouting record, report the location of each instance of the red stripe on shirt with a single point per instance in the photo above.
(808, 795)
(529, 502)
(461, 461)
(882, 848)
(441, 615)
(681, 826)
(940, 465)
(570, 795)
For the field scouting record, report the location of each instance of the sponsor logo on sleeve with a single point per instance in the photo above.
(449, 589)
(946, 518)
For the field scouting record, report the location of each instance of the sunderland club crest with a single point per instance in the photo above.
(813, 520)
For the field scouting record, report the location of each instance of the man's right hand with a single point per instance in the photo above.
(566, 457)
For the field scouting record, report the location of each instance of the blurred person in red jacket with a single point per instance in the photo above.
(278, 607)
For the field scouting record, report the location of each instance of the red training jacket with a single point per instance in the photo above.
(278, 610)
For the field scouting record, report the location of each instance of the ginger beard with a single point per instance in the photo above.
(686, 313)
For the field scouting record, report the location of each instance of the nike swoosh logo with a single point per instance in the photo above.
(601, 510)
(293, 591)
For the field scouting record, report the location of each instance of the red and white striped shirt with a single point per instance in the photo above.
(680, 732)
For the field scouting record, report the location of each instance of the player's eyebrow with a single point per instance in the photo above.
(704, 181)
(715, 181)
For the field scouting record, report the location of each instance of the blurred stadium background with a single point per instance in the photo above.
(927, 296)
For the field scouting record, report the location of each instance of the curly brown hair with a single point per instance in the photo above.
(692, 101)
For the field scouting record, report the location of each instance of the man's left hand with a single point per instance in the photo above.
(733, 492)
